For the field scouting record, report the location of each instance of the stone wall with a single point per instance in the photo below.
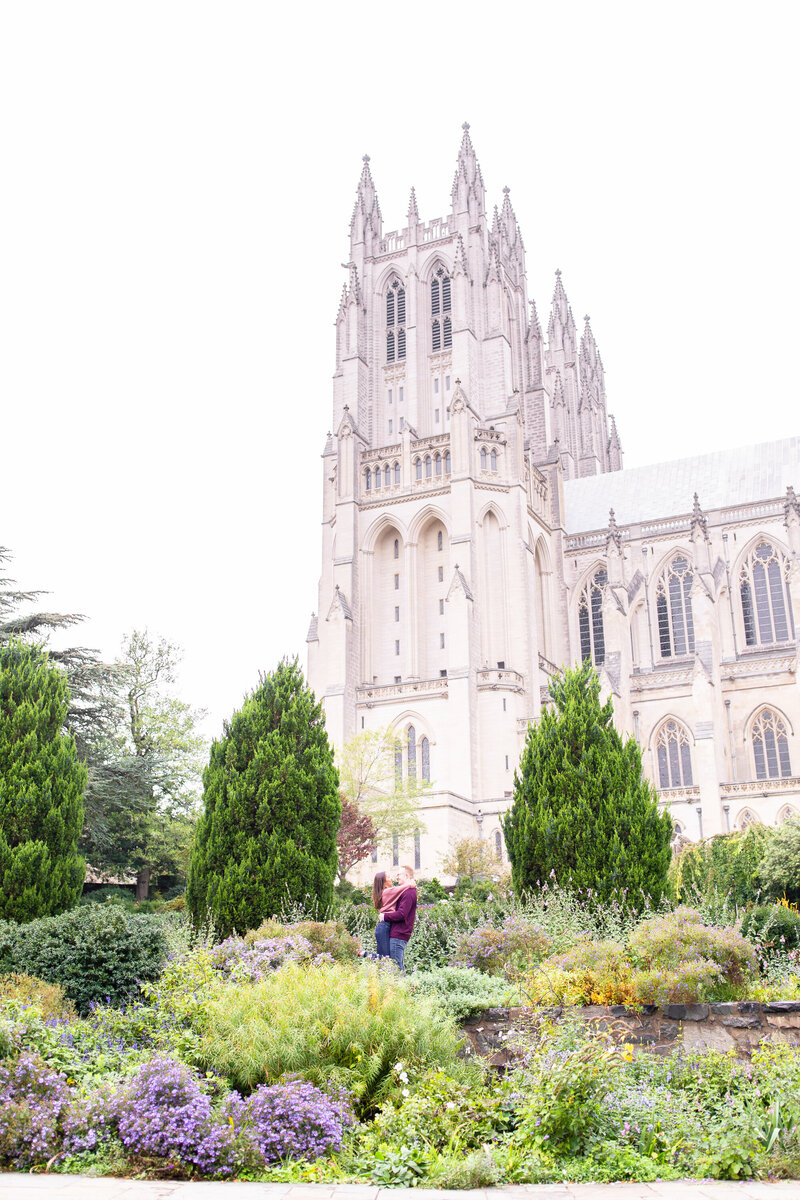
(741, 1026)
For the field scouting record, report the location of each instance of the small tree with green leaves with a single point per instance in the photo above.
(372, 779)
(267, 836)
(583, 814)
(41, 789)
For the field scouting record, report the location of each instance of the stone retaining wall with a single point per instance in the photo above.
(740, 1026)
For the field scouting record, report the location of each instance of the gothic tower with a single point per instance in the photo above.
(454, 427)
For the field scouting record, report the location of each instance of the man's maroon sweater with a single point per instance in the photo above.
(403, 917)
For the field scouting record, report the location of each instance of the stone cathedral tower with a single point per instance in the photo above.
(456, 427)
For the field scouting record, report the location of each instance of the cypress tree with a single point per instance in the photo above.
(267, 835)
(583, 814)
(41, 789)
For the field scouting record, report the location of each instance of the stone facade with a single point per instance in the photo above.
(469, 547)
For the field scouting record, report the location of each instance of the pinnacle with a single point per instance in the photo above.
(413, 212)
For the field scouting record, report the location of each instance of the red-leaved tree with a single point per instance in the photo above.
(357, 837)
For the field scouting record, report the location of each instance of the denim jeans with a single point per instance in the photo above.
(382, 932)
(397, 951)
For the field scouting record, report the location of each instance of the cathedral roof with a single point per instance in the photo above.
(722, 479)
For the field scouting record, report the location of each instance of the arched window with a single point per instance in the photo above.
(438, 464)
(395, 322)
(412, 754)
(674, 609)
(745, 819)
(439, 541)
(428, 466)
(786, 814)
(397, 472)
(770, 746)
(425, 748)
(441, 328)
(484, 458)
(369, 479)
(418, 468)
(766, 603)
(377, 477)
(494, 460)
(397, 547)
(387, 478)
(498, 845)
(590, 619)
(674, 756)
(447, 461)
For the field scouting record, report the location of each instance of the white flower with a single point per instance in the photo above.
(405, 1092)
(399, 1066)
(450, 1104)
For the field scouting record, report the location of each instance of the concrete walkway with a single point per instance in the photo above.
(83, 1187)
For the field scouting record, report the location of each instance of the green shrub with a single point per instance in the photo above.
(331, 1024)
(779, 869)
(96, 952)
(516, 945)
(725, 865)
(463, 991)
(324, 937)
(680, 937)
(775, 926)
(590, 973)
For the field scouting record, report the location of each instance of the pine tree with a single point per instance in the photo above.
(41, 789)
(267, 835)
(583, 814)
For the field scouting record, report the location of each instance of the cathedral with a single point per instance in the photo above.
(480, 533)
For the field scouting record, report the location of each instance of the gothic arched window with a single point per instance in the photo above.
(766, 603)
(377, 477)
(418, 468)
(395, 322)
(397, 472)
(447, 462)
(494, 460)
(770, 746)
(439, 541)
(438, 464)
(387, 478)
(412, 753)
(428, 466)
(425, 750)
(397, 547)
(590, 619)
(369, 479)
(484, 458)
(674, 609)
(674, 756)
(441, 328)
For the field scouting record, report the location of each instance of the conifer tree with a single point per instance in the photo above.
(582, 813)
(41, 789)
(267, 835)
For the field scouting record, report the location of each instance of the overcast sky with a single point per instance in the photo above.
(177, 184)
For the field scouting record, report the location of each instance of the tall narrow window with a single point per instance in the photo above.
(447, 462)
(590, 619)
(396, 612)
(397, 583)
(438, 464)
(396, 473)
(441, 325)
(494, 460)
(766, 602)
(770, 746)
(484, 458)
(387, 479)
(377, 477)
(395, 322)
(425, 750)
(439, 540)
(369, 479)
(396, 547)
(418, 468)
(398, 764)
(412, 753)
(674, 756)
(428, 466)
(674, 609)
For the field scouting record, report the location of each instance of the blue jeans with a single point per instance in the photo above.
(382, 931)
(397, 951)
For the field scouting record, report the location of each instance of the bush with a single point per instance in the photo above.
(517, 944)
(96, 952)
(725, 865)
(292, 1120)
(332, 1025)
(328, 938)
(33, 1099)
(592, 973)
(49, 998)
(462, 991)
(680, 939)
(779, 869)
(774, 926)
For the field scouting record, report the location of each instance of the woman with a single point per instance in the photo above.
(384, 899)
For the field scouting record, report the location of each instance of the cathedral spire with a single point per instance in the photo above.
(614, 448)
(460, 258)
(699, 522)
(468, 193)
(367, 221)
(561, 326)
(413, 211)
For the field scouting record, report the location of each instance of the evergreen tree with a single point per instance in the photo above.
(583, 814)
(41, 789)
(267, 835)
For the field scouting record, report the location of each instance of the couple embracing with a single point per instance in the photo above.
(396, 905)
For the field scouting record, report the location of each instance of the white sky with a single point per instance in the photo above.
(177, 184)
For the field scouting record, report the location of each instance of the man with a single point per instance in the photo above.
(402, 918)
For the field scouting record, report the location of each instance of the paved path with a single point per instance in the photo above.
(82, 1187)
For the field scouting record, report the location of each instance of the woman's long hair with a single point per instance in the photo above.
(378, 884)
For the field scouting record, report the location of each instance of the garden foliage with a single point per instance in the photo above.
(779, 869)
(725, 866)
(41, 789)
(272, 809)
(583, 814)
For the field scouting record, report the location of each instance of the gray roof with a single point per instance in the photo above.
(721, 480)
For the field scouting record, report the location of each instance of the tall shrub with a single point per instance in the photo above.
(583, 814)
(41, 789)
(725, 865)
(268, 832)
